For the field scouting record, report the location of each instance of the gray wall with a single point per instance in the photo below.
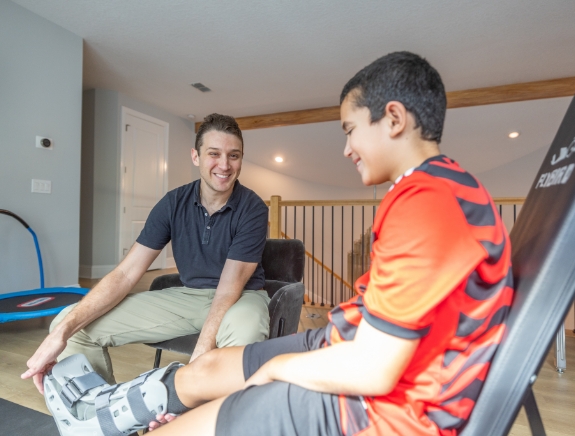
(40, 94)
(101, 149)
(513, 179)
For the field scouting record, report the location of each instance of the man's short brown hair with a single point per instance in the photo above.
(219, 123)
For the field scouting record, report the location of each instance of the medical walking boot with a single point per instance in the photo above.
(82, 403)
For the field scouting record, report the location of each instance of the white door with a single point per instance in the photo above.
(144, 175)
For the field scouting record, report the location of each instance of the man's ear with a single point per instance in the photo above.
(397, 118)
(195, 157)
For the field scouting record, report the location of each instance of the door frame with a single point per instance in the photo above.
(124, 113)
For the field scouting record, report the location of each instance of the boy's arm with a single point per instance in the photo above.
(369, 365)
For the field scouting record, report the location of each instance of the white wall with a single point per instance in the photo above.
(40, 94)
(513, 179)
(101, 148)
(267, 183)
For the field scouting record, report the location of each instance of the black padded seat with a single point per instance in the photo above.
(543, 247)
(283, 264)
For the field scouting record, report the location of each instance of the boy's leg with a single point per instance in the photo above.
(246, 322)
(145, 317)
(276, 408)
(223, 371)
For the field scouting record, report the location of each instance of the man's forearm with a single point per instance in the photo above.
(220, 305)
(107, 294)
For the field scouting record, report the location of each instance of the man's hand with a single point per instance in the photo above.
(44, 359)
(108, 293)
(198, 351)
(235, 275)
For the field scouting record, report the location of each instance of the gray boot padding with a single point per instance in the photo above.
(82, 403)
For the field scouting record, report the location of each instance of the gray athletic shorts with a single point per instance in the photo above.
(278, 408)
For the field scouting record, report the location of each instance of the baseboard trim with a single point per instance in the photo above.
(94, 271)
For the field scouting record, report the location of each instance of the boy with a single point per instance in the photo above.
(409, 353)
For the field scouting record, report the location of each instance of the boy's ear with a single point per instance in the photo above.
(397, 118)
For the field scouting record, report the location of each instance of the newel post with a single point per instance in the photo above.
(275, 217)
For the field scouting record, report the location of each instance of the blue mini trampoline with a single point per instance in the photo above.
(36, 302)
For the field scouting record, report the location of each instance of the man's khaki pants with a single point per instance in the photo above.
(157, 316)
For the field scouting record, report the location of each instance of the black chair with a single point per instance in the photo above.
(543, 244)
(283, 263)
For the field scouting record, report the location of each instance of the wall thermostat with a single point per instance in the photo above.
(43, 142)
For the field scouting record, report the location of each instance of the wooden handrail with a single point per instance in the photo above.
(497, 200)
(509, 200)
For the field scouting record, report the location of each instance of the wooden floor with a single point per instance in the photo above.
(555, 393)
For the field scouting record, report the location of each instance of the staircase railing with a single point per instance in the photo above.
(337, 238)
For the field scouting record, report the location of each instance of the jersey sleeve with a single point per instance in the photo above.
(157, 230)
(250, 238)
(424, 251)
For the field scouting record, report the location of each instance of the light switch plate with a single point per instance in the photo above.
(41, 186)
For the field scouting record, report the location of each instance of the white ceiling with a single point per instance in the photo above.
(476, 137)
(262, 56)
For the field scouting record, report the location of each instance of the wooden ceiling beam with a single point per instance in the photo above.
(456, 99)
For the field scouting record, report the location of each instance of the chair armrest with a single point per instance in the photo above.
(272, 286)
(166, 281)
(286, 305)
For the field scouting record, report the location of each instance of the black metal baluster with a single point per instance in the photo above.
(332, 265)
(341, 290)
(352, 253)
(304, 234)
(362, 238)
(322, 263)
(313, 255)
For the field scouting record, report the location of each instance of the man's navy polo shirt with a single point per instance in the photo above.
(201, 243)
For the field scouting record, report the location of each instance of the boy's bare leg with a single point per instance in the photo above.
(213, 375)
(199, 422)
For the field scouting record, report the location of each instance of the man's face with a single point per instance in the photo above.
(366, 145)
(219, 160)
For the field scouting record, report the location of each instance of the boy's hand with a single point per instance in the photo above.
(161, 420)
(261, 376)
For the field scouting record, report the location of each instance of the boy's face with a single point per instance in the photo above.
(366, 143)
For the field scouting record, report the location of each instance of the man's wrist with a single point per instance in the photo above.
(62, 331)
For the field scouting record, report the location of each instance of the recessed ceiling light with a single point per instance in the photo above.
(514, 135)
(279, 159)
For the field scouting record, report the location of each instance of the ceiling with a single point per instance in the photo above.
(262, 56)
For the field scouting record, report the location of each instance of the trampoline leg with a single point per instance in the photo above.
(560, 360)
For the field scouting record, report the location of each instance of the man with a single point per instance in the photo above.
(218, 230)
(409, 353)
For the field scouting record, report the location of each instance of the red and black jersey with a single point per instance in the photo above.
(441, 272)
